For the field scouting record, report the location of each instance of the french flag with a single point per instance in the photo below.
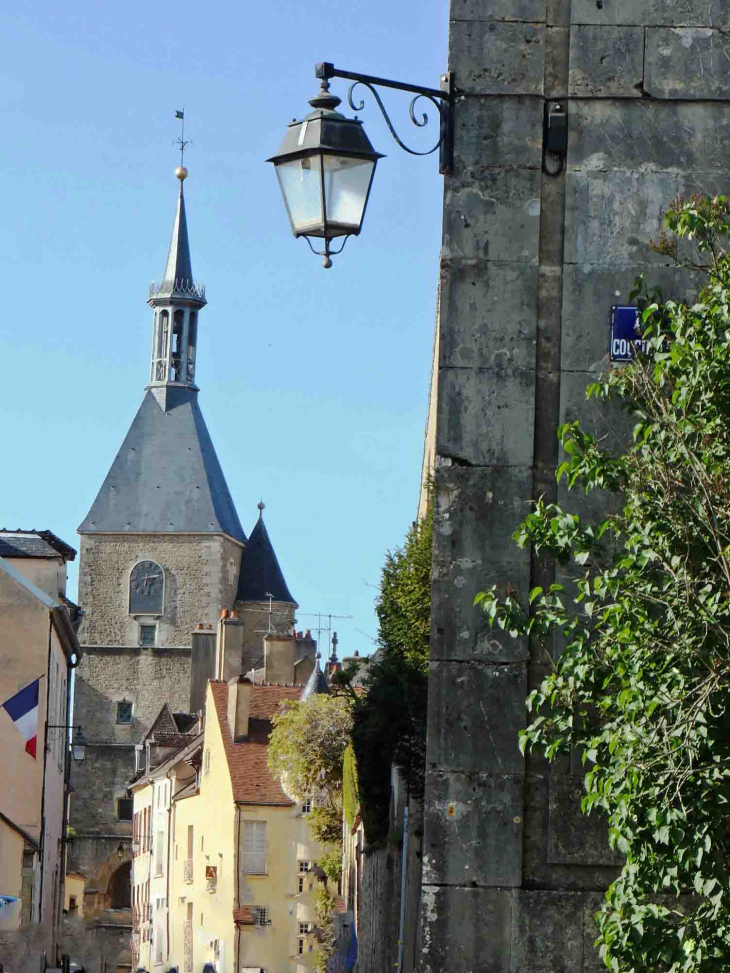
(22, 708)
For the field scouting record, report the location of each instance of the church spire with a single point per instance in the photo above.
(176, 301)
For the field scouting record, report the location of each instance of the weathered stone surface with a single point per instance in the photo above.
(612, 216)
(592, 962)
(475, 714)
(589, 290)
(478, 817)
(651, 12)
(200, 578)
(530, 10)
(573, 837)
(605, 420)
(687, 63)
(606, 61)
(465, 930)
(491, 132)
(498, 58)
(547, 931)
(492, 310)
(486, 415)
(476, 511)
(665, 135)
(493, 218)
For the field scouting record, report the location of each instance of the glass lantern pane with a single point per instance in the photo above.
(301, 187)
(346, 183)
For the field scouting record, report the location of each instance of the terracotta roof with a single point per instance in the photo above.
(244, 916)
(250, 776)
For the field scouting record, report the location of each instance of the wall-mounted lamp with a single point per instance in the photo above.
(78, 744)
(326, 162)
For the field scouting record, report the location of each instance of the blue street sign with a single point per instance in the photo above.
(625, 333)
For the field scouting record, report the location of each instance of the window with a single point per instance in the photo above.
(300, 887)
(300, 949)
(147, 634)
(303, 928)
(307, 806)
(124, 711)
(206, 762)
(304, 866)
(125, 809)
(261, 915)
(158, 852)
(254, 847)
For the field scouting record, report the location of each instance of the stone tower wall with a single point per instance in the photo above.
(530, 267)
(201, 573)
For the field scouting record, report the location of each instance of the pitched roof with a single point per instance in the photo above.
(251, 778)
(34, 543)
(166, 478)
(260, 574)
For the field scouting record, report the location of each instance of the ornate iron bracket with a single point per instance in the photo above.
(442, 99)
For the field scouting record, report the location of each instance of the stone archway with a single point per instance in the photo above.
(119, 889)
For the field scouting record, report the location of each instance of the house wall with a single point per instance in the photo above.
(530, 266)
(29, 648)
(11, 873)
(48, 574)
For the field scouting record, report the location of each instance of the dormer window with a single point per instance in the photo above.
(124, 711)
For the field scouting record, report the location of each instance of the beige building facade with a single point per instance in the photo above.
(38, 650)
(223, 867)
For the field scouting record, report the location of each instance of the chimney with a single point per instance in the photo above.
(202, 666)
(229, 658)
(279, 658)
(239, 703)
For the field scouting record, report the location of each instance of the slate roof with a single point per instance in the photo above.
(260, 574)
(179, 266)
(34, 543)
(316, 683)
(251, 778)
(166, 478)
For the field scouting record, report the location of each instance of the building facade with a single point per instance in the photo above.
(38, 650)
(162, 554)
(537, 246)
(223, 868)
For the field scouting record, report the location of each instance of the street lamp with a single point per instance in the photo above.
(78, 747)
(326, 163)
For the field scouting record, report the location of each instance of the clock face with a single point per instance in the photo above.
(146, 588)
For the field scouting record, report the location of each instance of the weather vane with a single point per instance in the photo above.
(180, 114)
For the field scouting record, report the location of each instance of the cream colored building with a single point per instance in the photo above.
(232, 882)
(37, 646)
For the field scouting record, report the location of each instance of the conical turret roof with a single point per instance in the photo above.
(316, 684)
(260, 574)
(179, 267)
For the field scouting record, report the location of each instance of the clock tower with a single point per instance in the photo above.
(160, 555)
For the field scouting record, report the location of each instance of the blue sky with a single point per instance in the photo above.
(314, 383)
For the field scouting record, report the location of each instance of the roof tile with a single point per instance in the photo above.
(251, 778)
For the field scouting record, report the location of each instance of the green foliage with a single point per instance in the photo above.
(350, 794)
(307, 745)
(331, 864)
(324, 903)
(325, 822)
(390, 719)
(643, 685)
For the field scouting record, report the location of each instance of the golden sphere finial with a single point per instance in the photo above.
(181, 172)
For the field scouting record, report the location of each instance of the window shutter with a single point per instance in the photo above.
(254, 847)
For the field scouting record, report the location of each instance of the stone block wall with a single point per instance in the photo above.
(530, 266)
(201, 574)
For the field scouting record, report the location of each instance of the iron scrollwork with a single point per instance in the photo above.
(419, 124)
